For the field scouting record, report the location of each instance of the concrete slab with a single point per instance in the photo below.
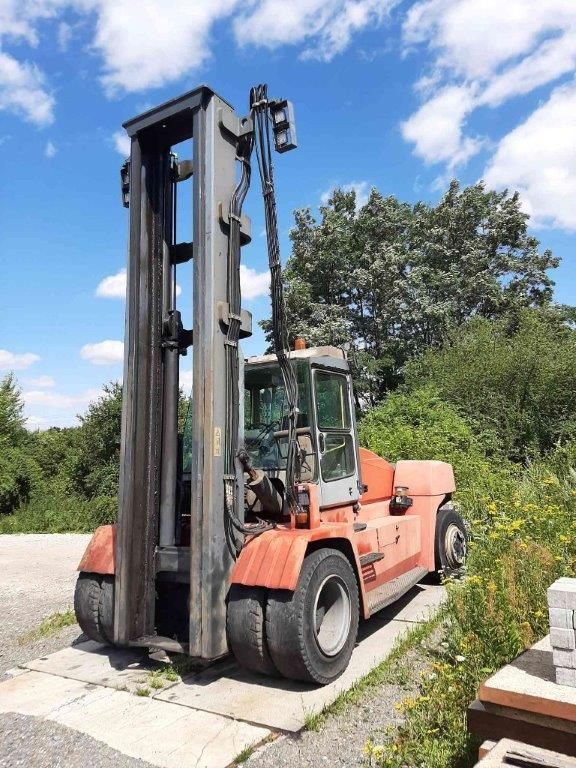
(205, 720)
(276, 703)
(529, 683)
(159, 732)
(525, 754)
(124, 669)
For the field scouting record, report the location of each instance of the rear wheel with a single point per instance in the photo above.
(246, 628)
(451, 542)
(311, 632)
(94, 606)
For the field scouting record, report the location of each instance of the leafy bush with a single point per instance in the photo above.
(522, 543)
(17, 476)
(55, 511)
(95, 468)
(421, 425)
(514, 377)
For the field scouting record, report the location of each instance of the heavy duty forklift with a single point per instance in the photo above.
(264, 529)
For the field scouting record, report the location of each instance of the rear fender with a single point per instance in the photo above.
(100, 554)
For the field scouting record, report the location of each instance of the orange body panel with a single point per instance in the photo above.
(377, 474)
(99, 556)
(274, 559)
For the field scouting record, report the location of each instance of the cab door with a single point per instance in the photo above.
(336, 438)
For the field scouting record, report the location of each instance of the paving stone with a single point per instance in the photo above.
(90, 662)
(562, 594)
(561, 618)
(563, 638)
(207, 719)
(418, 605)
(566, 676)
(564, 658)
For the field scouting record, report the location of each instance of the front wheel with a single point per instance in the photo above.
(451, 542)
(94, 606)
(311, 632)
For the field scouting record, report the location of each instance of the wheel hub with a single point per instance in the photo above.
(455, 546)
(332, 615)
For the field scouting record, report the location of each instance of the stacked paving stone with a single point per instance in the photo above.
(562, 610)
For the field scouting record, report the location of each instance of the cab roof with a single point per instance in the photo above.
(298, 354)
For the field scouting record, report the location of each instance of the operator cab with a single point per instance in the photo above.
(325, 429)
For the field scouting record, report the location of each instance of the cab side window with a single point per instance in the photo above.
(337, 458)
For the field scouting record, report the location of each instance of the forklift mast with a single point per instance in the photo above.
(148, 537)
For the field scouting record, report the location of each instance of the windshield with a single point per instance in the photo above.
(266, 414)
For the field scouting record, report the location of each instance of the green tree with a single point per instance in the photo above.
(12, 430)
(513, 376)
(17, 470)
(96, 467)
(392, 280)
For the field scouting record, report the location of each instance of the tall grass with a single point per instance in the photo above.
(52, 511)
(522, 542)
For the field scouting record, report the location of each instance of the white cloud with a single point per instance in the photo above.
(143, 44)
(326, 25)
(538, 158)
(23, 91)
(10, 361)
(50, 150)
(57, 409)
(186, 381)
(436, 129)
(114, 286)
(105, 352)
(121, 143)
(361, 188)
(41, 382)
(252, 283)
(474, 38)
(59, 400)
(485, 53)
(64, 35)
(37, 422)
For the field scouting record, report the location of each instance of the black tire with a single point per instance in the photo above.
(450, 542)
(296, 620)
(94, 606)
(246, 629)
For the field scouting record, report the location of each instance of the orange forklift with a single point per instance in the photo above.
(264, 529)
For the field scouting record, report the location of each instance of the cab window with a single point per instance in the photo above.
(332, 401)
(337, 455)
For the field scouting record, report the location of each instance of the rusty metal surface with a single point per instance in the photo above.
(100, 554)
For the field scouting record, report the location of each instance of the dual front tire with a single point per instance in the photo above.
(94, 606)
(308, 634)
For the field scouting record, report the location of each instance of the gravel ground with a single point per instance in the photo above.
(37, 578)
(34, 743)
(30, 591)
(341, 738)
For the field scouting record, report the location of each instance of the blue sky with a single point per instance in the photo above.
(399, 95)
